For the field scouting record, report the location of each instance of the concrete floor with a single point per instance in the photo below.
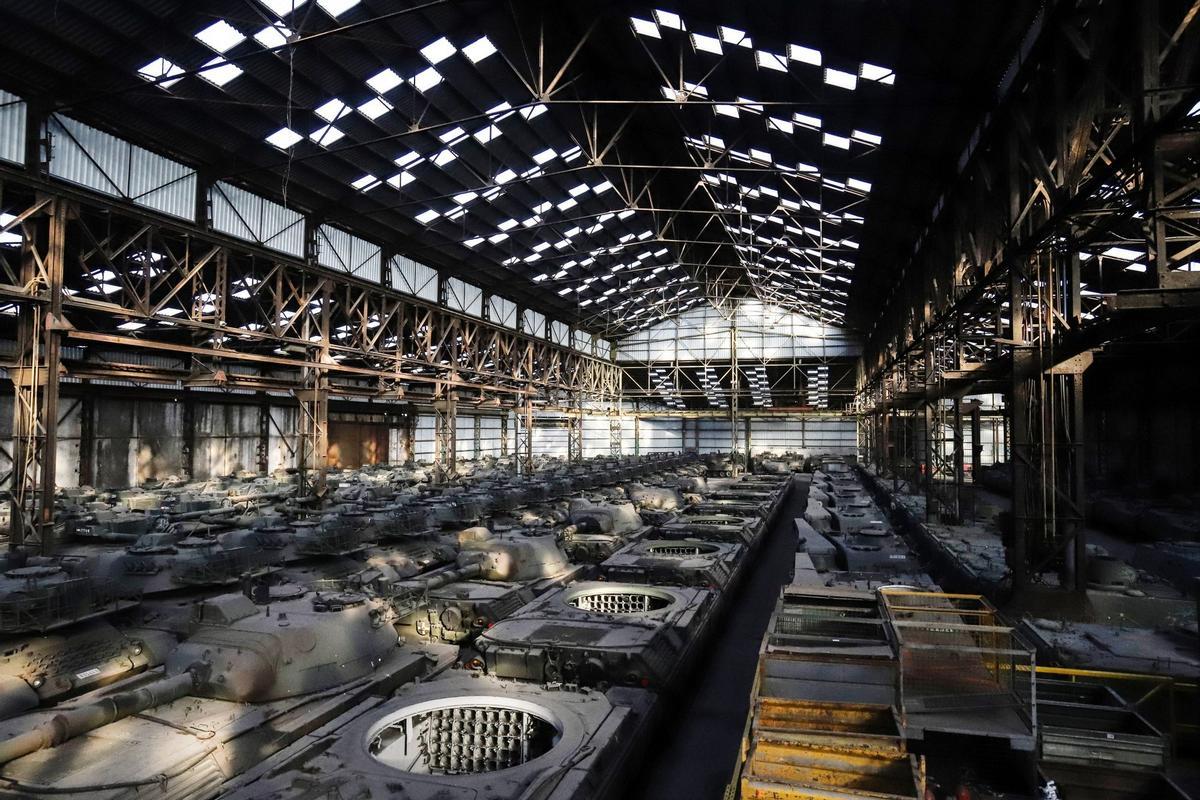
(695, 752)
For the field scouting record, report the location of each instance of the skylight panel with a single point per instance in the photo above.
(408, 158)
(726, 110)
(365, 182)
(479, 49)
(221, 36)
(804, 55)
(507, 225)
(533, 112)
(578, 190)
(375, 108)
(529, 222)
(427, 216)
(473, 243)
(601, 188)
(833, 140)
(485, 135)
(336, 8)
(669, 19)
(781, 125)
(438, 51)
(644, 27)
(272, 36)
(399, 181)
(806, 121)
(281, 8)
(384, 81)
(770, 61)
(162, 72)
(570, 155)
(734, 36)
(426, 79)
(497, 238)
(1122, 253)
(453, 135)
(219, 72)
(444, 157)
(326, 135)
(505, 176)
(866, 138)
(873, 72)
(545, 155)
(840, 79)
(707, 44)
(465, 197)
(761, 156)
(284, 138)
(333, 110)
(543, 207)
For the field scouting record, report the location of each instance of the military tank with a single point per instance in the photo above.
(598, 633)
(466, 737)
(248, 681)
(682, 562)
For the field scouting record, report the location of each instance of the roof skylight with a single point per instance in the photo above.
(274, 35)
(644, 27)
(221, 36)
(282, 7)
(162, 72)
(336, 8)
(384, 81)
(734, 36)
(479, 49)
(669, 19)
(840, 79)
(707, 44)
(375, 108)
(438, 51)
(284, 138)
(804, 55)
(426, 79)
(770, 61)
(332, 110)
(326, 135)
(219, 72)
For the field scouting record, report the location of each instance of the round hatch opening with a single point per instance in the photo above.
(463, 736)
(619, 600)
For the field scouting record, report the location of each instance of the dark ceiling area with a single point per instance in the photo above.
(607, 163)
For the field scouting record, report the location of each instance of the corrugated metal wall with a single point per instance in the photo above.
(104, 163)
(413, 277)
(247, 216)
(344, 252)
(12, 128)
(462, 296)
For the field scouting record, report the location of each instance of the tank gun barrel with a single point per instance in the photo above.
(73, 722)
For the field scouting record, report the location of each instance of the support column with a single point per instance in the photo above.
(575, 431)
(614, 431)
(477, 435)
(87, 436)
(525, 437)
(734, 391)
(504, 435)
(188, 446)
(263, 449)
(445, 435)
(313, 455)
(35, 383)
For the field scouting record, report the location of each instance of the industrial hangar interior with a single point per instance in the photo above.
(513, 399)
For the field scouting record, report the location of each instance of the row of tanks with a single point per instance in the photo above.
(513, 636)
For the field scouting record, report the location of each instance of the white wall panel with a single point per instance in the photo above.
(12, 128)
(104, 163)
(502, 312)
(462, 296)
(344, 252)
(533, 323)
(245, 215)
(414, 278)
